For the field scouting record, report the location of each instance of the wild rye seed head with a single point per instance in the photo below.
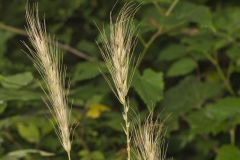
(148, 140)
(47, 59)
(117, 50)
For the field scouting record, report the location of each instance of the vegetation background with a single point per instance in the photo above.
(189, 68)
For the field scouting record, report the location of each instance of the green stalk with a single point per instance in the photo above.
(232, 136)
(157, 34)
(69, 155)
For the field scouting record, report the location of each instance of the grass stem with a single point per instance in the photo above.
(232, 136)
(69, 155)
(126, 129)
(156, 34)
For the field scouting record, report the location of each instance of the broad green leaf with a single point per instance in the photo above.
(88, 47)
(172, 52)
(9, 121)
(199, 122)
(182, 67)
(225, 108)
(200, 43)
(218, 115)
(145, 24)
(97, 155)
(234, 53)
(190, 93)
(229, 16)
(149, 86)
(228, 152)
(29, 131)
(17, 81)
(186, 12)
(25, 95)
(196, 13)
(88, 70)
(99, 89)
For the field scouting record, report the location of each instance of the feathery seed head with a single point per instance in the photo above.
(47, 59)
(148, 140)
(117, 50)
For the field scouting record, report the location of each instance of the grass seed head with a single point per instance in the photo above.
(47, 59)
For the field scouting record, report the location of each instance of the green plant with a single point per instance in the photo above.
(191, 61)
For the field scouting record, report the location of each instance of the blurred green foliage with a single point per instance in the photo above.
(189, 68)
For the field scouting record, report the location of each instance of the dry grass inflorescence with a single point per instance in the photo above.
(148, 139)
(117, 51)
(47, 59)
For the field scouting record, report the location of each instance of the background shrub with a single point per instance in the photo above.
(189, 68)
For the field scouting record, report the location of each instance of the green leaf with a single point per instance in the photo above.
(100, 89)
(173, 52)
(228, 152)
(190, 93)
(88, 70)
(29, 132)
(222, 115)
(182, 67)
(229, 16)
(225, 108)
(233, 52)
(25, 95)
(149, 87)
(86, 155)
(145, 24)
(186, 12)
(200, 43)
(195, 13)
(88, 47)
(17, 81)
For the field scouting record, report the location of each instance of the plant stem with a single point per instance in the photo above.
(227, 84)
(220, 72)
(69, 155)
(126, 129)
(224, 79)
(63, 46)
(157, 34)
(232, 136)
(148, 44)
(170, 9)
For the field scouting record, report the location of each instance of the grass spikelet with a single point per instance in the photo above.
(148, 140)
(117, 52)
(47, 59)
